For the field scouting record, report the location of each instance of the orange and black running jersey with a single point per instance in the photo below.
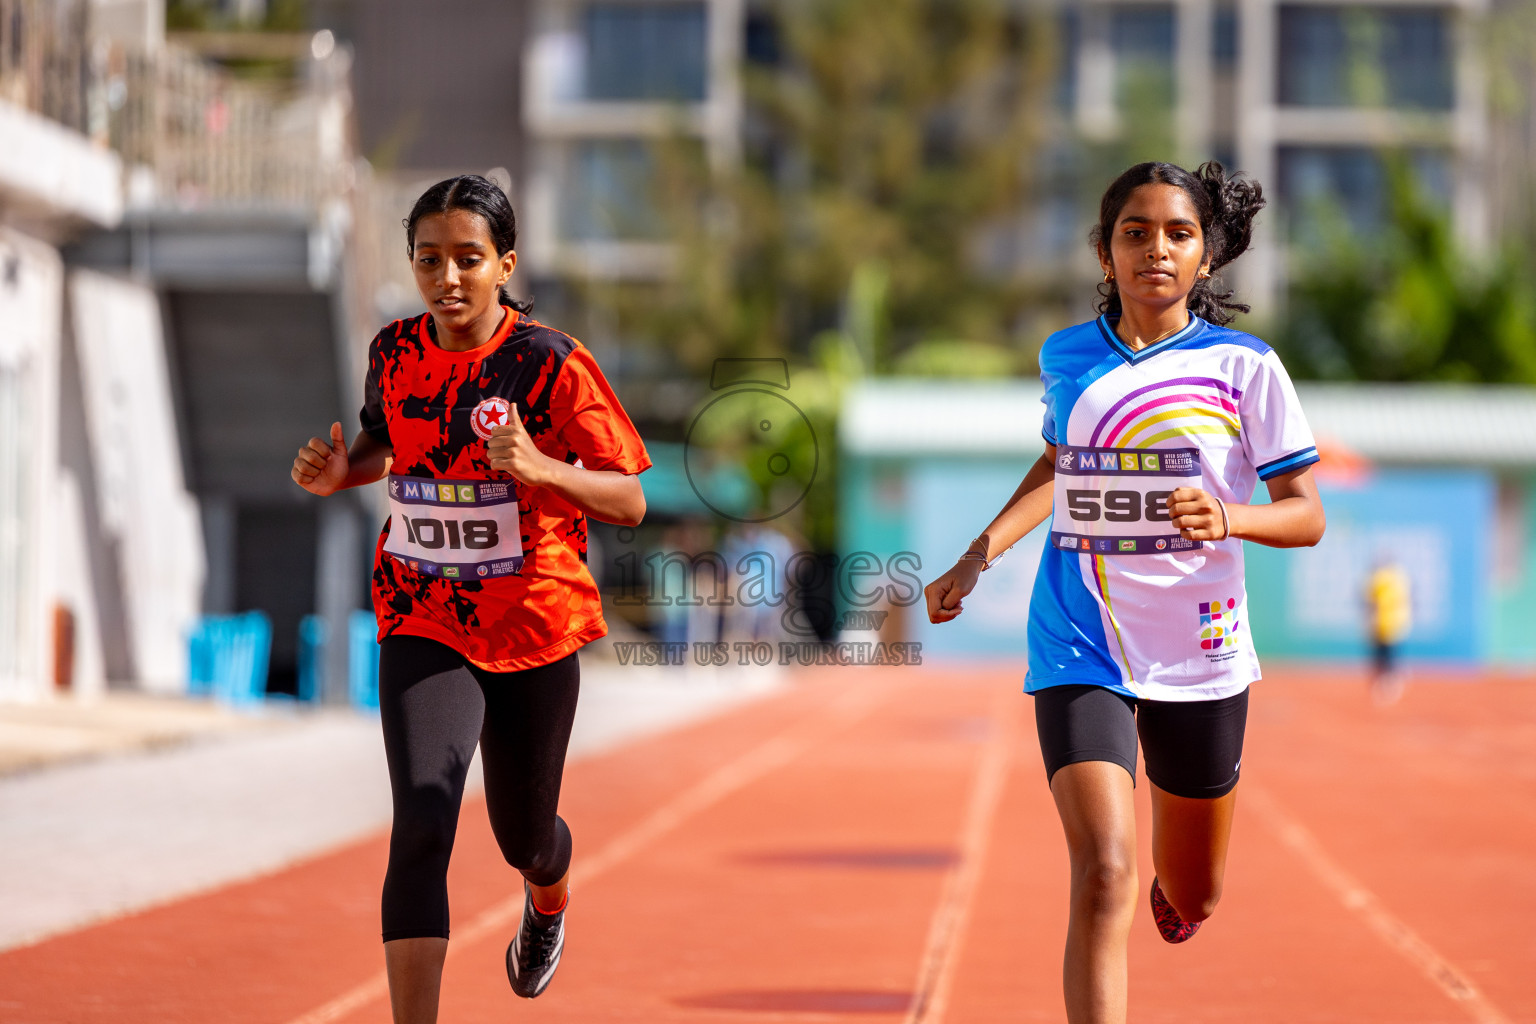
(423, 401)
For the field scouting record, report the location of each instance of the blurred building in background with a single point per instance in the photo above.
(200, 230)
(205, 316)
(100, 550)
(604, 83)
(1308, 98)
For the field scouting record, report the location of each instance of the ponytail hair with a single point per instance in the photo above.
(473, 194)
(1226, 207)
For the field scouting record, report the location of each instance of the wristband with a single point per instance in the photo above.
(1226, 524)
(981, 556)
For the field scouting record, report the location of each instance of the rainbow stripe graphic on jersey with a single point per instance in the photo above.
(1171, 408)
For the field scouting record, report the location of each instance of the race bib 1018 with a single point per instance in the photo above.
(1114, 501)
(456, 529)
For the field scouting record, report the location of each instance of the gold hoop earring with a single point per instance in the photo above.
(1108, 277)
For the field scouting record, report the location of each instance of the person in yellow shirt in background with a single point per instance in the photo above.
(1388, 602)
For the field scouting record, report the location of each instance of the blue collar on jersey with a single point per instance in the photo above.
(1132, 356)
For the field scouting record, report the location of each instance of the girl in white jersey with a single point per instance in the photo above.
(1159, 423)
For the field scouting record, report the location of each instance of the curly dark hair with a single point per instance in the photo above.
(1226, 207)
(474, 194)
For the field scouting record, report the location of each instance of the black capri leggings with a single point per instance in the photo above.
(435, 706)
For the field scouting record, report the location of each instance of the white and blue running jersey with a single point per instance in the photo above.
(1121, 600)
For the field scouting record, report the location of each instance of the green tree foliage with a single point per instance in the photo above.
(867, 227)
(1408, 304)
(889, 144)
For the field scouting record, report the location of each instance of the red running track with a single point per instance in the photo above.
(879, 845)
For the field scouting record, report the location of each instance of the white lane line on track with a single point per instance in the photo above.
(951, 915)
(710, 790)
(1365, 905)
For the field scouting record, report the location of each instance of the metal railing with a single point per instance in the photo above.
(207, 137)
(191, 133)
(45, 58)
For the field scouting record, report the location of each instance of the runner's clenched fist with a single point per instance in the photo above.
(1197, 514)
(321, 467)
(512, 451)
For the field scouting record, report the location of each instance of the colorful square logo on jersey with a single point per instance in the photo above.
(450, 570)
(445, 492)
(1109, 460)
(1129, 462)
(412, 490)
(1128, 545)
(1218, 620)
(466, 492)
(1211, 611)
(1150, 463)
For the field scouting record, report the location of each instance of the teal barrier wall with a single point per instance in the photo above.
(1437, 524)
(1471, 557)
(1514, 574)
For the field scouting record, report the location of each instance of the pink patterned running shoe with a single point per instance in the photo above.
(1169, 925)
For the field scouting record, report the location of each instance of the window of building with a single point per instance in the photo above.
(1224, 40)
(1069, 30)
(626, 189)
(609, 193)
(1319, 184)
(1366, 56)
(639, 51)
(1142, 39)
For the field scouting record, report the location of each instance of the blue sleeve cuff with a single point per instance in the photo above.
(1288, 464)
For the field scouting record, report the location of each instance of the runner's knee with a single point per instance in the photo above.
(1104, 882)
(543, 856)
(422, 835)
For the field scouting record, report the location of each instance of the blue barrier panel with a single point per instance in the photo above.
(313, 635)
(228, 656)
(1437, 524)
(363, 660)
(949, 501)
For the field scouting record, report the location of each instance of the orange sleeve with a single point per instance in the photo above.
(587, 416)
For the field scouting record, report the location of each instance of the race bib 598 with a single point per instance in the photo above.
(456, 529)
(1113, 501)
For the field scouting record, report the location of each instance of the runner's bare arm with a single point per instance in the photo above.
(325, 467)
(1293, 518)
(1027, 509)
(604, 494)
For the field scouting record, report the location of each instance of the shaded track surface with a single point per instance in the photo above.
(880, 845)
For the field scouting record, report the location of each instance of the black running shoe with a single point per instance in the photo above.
(535, 950)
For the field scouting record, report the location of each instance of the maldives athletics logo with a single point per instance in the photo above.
(488, 415)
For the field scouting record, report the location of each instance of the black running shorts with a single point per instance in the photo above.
(1193, 748)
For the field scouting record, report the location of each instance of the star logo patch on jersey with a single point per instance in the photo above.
(488, 415)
